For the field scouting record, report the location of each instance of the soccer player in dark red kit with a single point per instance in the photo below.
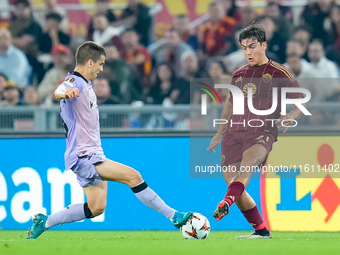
(245, 146)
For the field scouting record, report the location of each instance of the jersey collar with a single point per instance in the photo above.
(79, 75)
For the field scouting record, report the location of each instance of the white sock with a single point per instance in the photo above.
(148, 197)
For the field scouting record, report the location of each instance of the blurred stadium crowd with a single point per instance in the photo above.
(36, 52)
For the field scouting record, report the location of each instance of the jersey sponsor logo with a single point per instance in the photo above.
(249, 85)
(308, 197)
(266, 77)
(232, 198)
(239, 79)
(69, 81)
(93, 104)
(260, 139)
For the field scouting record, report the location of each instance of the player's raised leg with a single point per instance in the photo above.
(113, 171)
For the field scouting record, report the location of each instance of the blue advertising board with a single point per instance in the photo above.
(33, 179)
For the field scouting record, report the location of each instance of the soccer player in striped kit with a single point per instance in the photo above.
(84, 154)
(244, 146)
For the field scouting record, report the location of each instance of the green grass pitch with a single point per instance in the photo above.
(165, 242)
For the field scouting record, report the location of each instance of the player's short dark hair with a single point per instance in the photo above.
(253, 31)
(89, 50)
(55, 16)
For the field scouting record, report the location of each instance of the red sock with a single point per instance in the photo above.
(253, 216)
(234, 191)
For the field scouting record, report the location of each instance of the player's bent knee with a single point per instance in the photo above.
(135, 178)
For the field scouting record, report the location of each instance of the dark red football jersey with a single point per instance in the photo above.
(262, 79)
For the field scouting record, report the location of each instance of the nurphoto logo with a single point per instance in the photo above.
(238, 103)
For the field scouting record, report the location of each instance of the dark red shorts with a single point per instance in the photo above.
(234, 144)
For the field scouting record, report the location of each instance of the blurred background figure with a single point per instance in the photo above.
(163, 86)
(248, 15)
(316, 15)
(218, 75)
(235, 59)
(323, 69)
(38, 67)
(216, 71)
(104, 33)
(182, 93)
(231, 10)
(169, 50)
(216, 35)
(295, 48)
(23, 26)
(276, 49)
(181, 25)
(136, 14)
(303, 35)
(103, 91)
(53, 34)
(102, 6)
(285, 10)
(11, 94)
(295, 64)
(31, 96)
(333, 48)
(123, 79)
(51, 6)
(284, 25)
(137, 56)
(13, 62)
(3, 79)
(62, 64)
(320, 65)
(50, 99)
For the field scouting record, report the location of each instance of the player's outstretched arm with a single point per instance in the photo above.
(295, 114)
(64, 92)
(226, 115)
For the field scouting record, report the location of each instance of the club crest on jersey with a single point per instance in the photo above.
(266, 77)
(248, 85)
(93, 105)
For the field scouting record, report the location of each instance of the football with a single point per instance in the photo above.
(198, 227)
